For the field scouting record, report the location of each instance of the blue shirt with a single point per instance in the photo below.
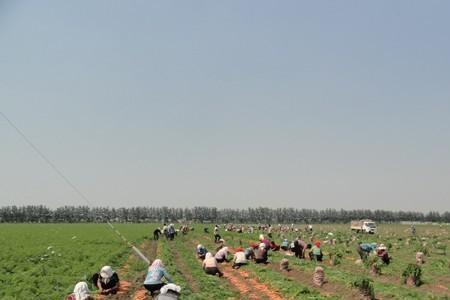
(155, 276)
(368, 247)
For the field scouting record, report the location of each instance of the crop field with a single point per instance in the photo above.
(44, 261)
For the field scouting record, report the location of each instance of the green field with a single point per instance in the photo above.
(44, 261)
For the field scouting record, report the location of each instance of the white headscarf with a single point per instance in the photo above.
(81, 291)
(154, 271)
(106, 273)
(156, 264)
(170, 287)
(261, 237)
(208, 255)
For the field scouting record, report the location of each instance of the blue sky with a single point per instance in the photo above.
(228, 104)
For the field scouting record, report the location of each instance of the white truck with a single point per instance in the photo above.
(366, 226)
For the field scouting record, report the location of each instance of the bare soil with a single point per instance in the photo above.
(133, 289)
(249, 287)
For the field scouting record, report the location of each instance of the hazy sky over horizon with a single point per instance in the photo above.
(228, 104)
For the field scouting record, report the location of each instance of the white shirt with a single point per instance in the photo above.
(239, 258)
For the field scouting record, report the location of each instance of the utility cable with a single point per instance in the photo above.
(73, 186)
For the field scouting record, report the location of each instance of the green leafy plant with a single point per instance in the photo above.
(374, 264)
(412, 275)
(336, 257)
(365, 287)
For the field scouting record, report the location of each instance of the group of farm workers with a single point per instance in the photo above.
(108, 283)
(168, 231)
(257, 252)
(303, 250)
(107, 280)
(364, 249)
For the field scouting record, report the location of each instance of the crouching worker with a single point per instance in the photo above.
(222, 255)
(201, 251)
(153, 281)
(316, 253)
(210, 265)
(107, 281)
(239, 258)
(249, 253)
(299, 248)
(261, 254)
(265, 241)
(383, 254)
(80, 292)
(364, 249)
(169, 292)
(285, 245)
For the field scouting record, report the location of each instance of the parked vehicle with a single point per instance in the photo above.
(366, 226)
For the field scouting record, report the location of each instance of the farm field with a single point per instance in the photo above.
(44, 261)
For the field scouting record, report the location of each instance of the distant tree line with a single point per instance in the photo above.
(84, 214)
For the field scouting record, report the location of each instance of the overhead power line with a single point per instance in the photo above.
(69, 182)
(46, 159)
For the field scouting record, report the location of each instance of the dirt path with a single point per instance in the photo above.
(305, 278)
(133, 289)
(185, 272)
(140, 292)
(248, 286)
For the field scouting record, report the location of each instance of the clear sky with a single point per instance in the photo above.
(341, 104)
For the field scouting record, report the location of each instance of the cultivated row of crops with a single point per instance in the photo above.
(45, 261)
